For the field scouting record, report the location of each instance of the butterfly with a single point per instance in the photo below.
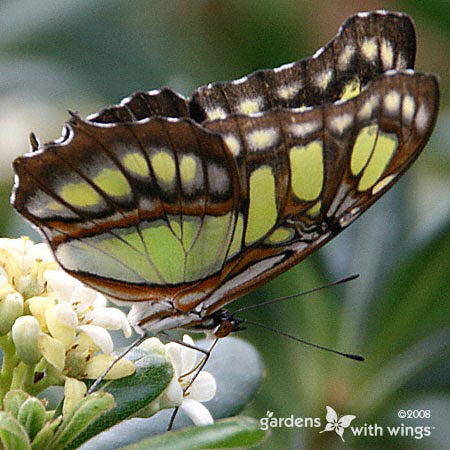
(177, 206)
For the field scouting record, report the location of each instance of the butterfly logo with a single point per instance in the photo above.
(338, 424)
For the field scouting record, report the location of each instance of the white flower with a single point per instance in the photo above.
(84, 309)
(202, 389)
(72, 319)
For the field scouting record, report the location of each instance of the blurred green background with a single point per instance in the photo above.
(86, 54)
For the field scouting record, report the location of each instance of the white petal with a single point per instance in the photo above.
(109, 318)
(100, 300)
(203, 388)
(172, 396)
(65, 314)
(100, 336)
(174, 354)
(83, 295)
(62, 284)
(188, 355)
(40, 252)
(197, 412)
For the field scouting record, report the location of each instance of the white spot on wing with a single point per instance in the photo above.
(341, 122)
(262, 138)
(250, 105)
(368, 108)
(322, 79)
(422, 118)
(218, 179)
(233, 143)
(392, 102)
(382, 184)
(408, 109)
(288, 91)
(387, 54)
(369, 49)
(346, 56)
(216, 113)
(300, 130)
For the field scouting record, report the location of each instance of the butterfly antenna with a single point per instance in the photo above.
(320, 347)
(301, 294)
(134, 344)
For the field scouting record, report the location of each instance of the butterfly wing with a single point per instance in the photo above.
(188, 204)
(319, 170)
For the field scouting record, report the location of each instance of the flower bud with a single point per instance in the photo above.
(25, 334)
(11, 307)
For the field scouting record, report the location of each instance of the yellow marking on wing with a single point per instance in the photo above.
(384, 149)
(165, 251)
(80, 194)
(351, 89)
(55, 206)
(208, 252)
(315, 209)
(307, 170)
(136, 163)
(262, 211)
(235, 247)
(363, 147)
(164, 166)
(113, 182)
(188, 168)
(280, 235)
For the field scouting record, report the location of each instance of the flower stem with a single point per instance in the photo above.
(10, 361)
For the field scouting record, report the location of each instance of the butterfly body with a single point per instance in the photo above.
(178, 206)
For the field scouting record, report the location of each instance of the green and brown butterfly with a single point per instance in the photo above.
(178, 206)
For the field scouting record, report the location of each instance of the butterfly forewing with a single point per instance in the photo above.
(185, 205)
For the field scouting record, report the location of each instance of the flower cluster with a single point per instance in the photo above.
(55, 331)
(52, 324)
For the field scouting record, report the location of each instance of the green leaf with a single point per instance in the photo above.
(45, 435)
(83, 414)
(13, 401)
(32, 416)
(12, 434)
(241, 432)
(153, 374)
(238, 370)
